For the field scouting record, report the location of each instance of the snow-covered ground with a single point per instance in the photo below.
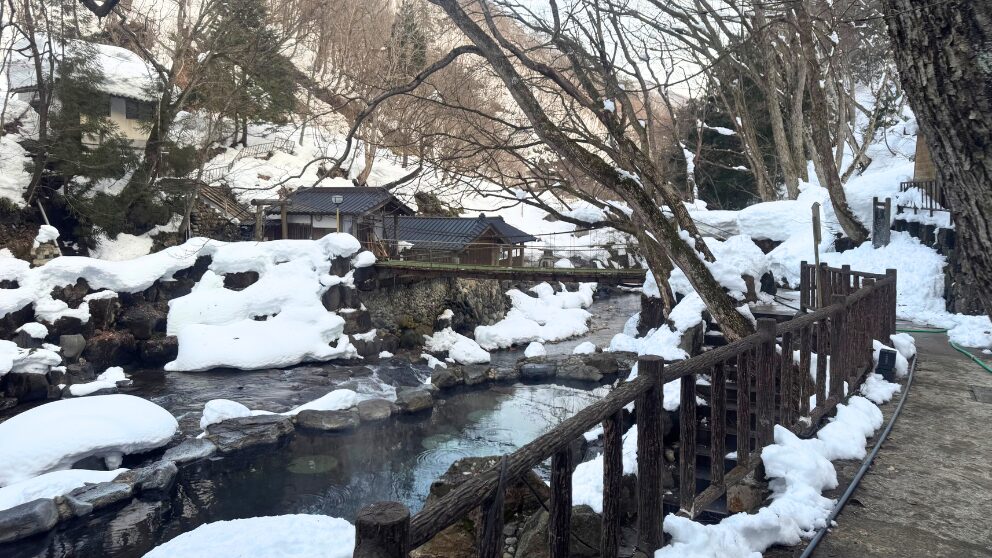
(552, 316)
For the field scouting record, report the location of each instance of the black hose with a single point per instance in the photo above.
(864, 468)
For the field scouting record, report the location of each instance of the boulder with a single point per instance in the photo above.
(372, 410)
(445, 378)
(23, 340)
(357, 321)
(110, 348)
(156, 352)
(333, 298)
(190, 450)
(66, 325)
(693, 338)
(240, 433)
(72, 345)
(72, 294)
(586, 529)
(103, 494)
(327, 421)
(340, 266)
(25, 386)
(475, 374)
(195, 272)
(14, 320)
(606, 363)
(574, 367)
(29, 518)
(538, 370)
(503, 374)
(104, 312)
(7, 403)
(414, 400)
(69, 508)
(79, 373)
(240, 280)
(143, 321)
(152, 482)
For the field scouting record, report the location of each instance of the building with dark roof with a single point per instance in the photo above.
(478, 240)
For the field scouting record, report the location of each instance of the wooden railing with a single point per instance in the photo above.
(933, 196)
(772, 388)
(213, 174)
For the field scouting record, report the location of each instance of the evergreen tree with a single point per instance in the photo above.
(409, 45)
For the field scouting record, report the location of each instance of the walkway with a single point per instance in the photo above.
(929, 492)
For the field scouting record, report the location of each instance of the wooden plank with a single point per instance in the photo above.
(650, 448)
(805, 369)
(744, 361)
(560, 520)
(839, 349)
(822, 336)
(789, 399)
(491, 538)
(765, 383)
(612, 485)
(687, 444)
(382, 530)
(718, 423)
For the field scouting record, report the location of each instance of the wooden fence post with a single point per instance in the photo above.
(891, 310)
(765, 380)
(804, 287)
(650, 449)
(838, 347)
(382, 530)
(687, 445)
(718, 424)
(612, 485)
(560, 521)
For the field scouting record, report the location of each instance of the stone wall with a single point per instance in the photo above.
(415, 307)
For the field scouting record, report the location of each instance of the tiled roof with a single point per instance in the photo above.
(356, 200)
(453, 233)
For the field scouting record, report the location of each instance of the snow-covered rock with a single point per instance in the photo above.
(34, 329)
(550, 317)
(535, 349)
(217, 410)
(55, 435)
(584, 348)
(281, 536)
(336, 400)
(52, 484)
(108, 379)
(461, 349)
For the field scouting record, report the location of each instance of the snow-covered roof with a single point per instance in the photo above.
(125, 73)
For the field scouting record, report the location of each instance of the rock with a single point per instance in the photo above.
(143, 321)
(445, 378)
(14, 320)
(358, 321)
(456, 541)
(56, 376)
(503, 374)
(72, 345)
(25, 386)
(372, 410)
(606, 363)
(110, 348)
(333, 298)
(240, 280)
(327, 421)
(651, 316)
(7, 403)
(537, 370)
(29, 518)
(104, 312)
(72, 294)
(23, 340)
(195, 272)
(475, 374)
(692, 339)
(66, 393)
(575, 368)
(244, 432)
(518, 499)
(414, 400)
(69, 508)
(340, 266)
(66, 325)
(154, 481)
(586, 529)
(190, 450)
(103, 494)
(156, 352)
(79, 373)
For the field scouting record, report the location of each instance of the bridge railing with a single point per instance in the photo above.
(824, 356)
(932, 199)
(445, 251)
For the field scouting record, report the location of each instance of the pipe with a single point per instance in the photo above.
(864, 468)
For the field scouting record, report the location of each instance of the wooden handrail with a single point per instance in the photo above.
(842, 332)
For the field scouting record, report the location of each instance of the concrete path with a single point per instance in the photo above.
(929, 491)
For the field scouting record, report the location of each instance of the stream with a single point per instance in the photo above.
(328, 473)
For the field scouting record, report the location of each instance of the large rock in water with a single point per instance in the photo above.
(586, 529)
(245, 432)
(327, 421)
(414, 400)
(25, 387)
(110, 348)
(30, 518)
(156, 352)
(143, 321)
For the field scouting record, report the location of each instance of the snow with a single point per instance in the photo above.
(108, 379)
(564, 263)
(26, 361)
(14, 178)
(217, 410)
(46, 233)
(336, 400)
(535, 349)
(51, 485)
(459, 348)
(549, 317)
(876, 389)
(664, 341)
(123, 247)
(363, 259)
(902, 364)
(281, 536)
(432, 361)
(587, 479)
(55, 435)
(905, 344)
(800, 470)
(34, 330)
(609, 105)
(385, 354)
(584, 348)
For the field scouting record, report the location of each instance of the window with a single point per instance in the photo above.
(137, 110)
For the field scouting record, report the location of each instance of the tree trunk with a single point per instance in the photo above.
(942, 50)
(771, 88)
(819, 121)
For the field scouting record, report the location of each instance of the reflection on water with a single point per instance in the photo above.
(332, 474)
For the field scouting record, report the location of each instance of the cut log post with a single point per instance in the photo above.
(650, 442)
(891, 306)
(612, 485)
(805, 369)
(687, 445)
(789, 400)
(718, 424)
(838, 347)
(765, 379)
(491, 535)
(804, 290)
(382, 530)
(745, 361)
(560, 522)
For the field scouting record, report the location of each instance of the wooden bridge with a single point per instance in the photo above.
(751, 389)
(386, 269)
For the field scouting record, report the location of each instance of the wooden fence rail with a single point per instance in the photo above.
(796, 371)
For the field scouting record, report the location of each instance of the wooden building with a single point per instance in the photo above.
(478, 240)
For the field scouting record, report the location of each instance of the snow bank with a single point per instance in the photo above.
(281, 536)
(122, 247)
(51, 485)
(587, 479)
(461, 349)
(26, 361)
(549, 317)
(876, 389)
(14, 179)
(664, 341)
(55, 435)
(800, 470)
